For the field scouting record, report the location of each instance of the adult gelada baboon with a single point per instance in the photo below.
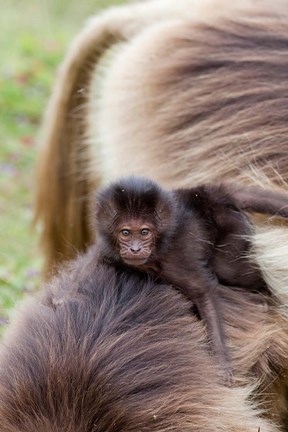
(195, 92)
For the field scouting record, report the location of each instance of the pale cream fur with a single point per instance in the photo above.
(129, 110)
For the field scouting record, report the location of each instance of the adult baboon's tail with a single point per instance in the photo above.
(63, 176)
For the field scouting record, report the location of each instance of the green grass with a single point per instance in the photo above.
(33, 39)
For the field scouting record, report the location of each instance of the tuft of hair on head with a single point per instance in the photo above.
(136, 197)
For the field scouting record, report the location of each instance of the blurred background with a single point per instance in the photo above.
(33, 39)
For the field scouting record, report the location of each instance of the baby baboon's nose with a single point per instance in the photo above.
(135, 250)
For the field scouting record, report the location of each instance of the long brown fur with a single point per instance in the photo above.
(199, 96)
(107, 353)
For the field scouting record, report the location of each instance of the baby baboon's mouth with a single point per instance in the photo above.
(135, 261)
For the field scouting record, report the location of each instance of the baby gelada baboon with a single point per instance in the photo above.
(192, 238)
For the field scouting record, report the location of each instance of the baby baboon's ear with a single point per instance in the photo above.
(104, 211)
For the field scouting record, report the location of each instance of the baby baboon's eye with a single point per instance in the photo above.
(145, 231)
